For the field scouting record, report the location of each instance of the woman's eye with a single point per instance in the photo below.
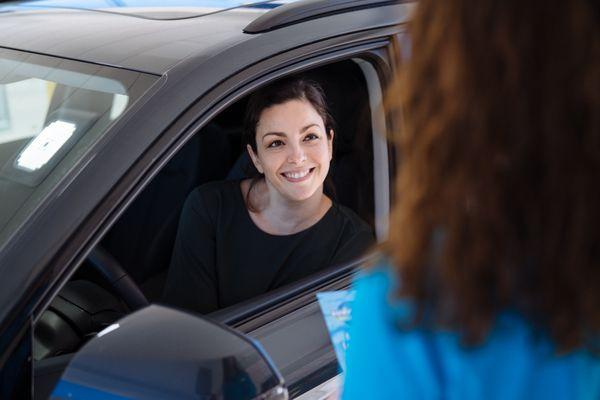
(310, 136)
(275, 143)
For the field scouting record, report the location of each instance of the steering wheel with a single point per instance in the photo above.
(119, 280)
(59, 334)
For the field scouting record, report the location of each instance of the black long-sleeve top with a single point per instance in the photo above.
(221, 257)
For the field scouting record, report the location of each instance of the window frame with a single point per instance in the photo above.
(375, 49)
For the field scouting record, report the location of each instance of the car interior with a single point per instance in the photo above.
(140, 242)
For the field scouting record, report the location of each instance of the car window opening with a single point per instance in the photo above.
(215, 154)
(141, 240)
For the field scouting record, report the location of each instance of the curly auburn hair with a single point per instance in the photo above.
(498, 192)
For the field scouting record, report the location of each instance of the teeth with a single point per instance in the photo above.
(296, 175)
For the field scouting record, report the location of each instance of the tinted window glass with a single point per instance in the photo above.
(52, 111)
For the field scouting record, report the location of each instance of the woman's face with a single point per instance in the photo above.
(293, 150)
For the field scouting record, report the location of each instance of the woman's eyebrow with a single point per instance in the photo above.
(309, 126)
(279, 134)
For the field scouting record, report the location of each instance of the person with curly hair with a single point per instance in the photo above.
(489, 287)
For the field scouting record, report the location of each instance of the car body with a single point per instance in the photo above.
(180, 68)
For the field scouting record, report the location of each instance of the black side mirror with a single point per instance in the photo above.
(161, 353)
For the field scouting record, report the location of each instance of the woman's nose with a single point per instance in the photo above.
(296, 154)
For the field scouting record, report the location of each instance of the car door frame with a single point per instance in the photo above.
(374, 46)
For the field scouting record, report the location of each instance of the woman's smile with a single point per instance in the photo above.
(298, 175)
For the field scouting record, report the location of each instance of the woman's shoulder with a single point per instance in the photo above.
(377, 303)
(217, 188)
(215, 191)
(350, 219)
(211, 197)
(378, 285)
(435, 360)
(376, 279)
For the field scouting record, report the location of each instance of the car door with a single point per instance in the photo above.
(292, 315)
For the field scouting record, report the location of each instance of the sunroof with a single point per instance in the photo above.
(153, 9)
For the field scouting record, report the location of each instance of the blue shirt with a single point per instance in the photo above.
(384, 362)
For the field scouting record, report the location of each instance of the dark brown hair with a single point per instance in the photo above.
(279, 92)
(498, 196)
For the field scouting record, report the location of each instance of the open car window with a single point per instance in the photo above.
(216, 153)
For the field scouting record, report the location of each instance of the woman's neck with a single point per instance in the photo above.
(280, 216)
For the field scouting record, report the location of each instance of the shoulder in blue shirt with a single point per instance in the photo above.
(384, 362)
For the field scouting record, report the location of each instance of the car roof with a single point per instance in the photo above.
(151, 40)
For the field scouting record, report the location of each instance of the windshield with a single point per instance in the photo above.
(51, 113)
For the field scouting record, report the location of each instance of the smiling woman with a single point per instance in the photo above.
(239, 239)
